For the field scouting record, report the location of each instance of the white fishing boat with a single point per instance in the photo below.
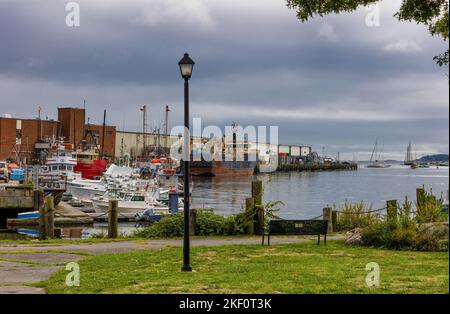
(377, 159)
(132, 202)
(62, 161)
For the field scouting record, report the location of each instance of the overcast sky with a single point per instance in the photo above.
(331, 82)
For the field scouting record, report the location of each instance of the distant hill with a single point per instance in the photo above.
(434, 158)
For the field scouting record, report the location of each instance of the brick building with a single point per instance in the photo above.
(18, 137)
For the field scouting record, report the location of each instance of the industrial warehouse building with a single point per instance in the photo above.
(22, 138)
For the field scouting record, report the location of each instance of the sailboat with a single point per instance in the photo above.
(409, 160)
(375, 162)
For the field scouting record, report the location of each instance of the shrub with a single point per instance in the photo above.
(236, 224)
(377, 235)
(429, 209)
(208, 224)
(167, 227)
(98, 235)
(402, 238)
(351, 216)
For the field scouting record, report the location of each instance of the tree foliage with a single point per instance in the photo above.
(432, 13)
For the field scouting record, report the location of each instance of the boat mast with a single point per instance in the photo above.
(374, 150)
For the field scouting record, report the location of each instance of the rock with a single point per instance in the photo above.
(435, 230)
(354, 237)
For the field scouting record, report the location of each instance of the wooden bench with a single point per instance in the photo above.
(296, 227)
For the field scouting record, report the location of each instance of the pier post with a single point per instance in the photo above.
(49, 207)
(257, 194)
(391, 208)
(38, 206)
(334, 220)
(249, 209)
(327, 215)
(113, 214)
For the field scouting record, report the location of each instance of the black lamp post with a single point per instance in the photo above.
(186, 65)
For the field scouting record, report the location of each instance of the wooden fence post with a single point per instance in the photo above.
(420, 197)
(192, 221)
(327, 215)
(334, 220)
(391, 208)
(49, 207)
(249, 208)
(257, 194)
(38, 205)
(113, 217)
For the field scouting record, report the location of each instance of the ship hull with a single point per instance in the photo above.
(222, 168)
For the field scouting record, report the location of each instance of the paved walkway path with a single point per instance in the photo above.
(30, 263)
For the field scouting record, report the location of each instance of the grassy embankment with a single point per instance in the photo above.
(289, 268)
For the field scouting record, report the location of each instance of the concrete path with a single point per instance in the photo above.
(19, 267)
(127, 246)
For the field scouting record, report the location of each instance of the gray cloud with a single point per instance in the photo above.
(331, 81)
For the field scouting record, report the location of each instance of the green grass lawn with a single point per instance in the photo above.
(290, 268)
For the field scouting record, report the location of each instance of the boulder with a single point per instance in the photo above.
(434, 230)
(354, 237)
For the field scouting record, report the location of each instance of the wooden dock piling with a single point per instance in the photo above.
(334, 220)
(249, 209)
(113, 214)
(257, 194)
(38, 205)
(49, 216)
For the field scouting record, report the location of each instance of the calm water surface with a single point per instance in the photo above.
(306, 193)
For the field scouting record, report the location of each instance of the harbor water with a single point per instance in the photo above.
(305, 194)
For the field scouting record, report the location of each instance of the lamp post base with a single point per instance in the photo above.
(186, 268)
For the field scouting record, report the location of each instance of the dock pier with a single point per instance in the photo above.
(316, 167)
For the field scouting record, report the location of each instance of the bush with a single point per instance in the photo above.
(403, 238)
(98, 235)
(208, 224)
(353, 216)
(377, 235)
(407, 231)
(429, 209)
(168, 227)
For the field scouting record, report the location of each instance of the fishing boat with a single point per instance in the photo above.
(377, 160)
(133, 202)
(89, 164)
(62, 161)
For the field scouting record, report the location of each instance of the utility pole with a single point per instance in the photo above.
(40, 122)
(103, 133)
(144, 125)
(166, 126)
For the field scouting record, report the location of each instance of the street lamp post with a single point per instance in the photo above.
(186, 66)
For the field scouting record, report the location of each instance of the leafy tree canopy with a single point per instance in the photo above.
(432, 13)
